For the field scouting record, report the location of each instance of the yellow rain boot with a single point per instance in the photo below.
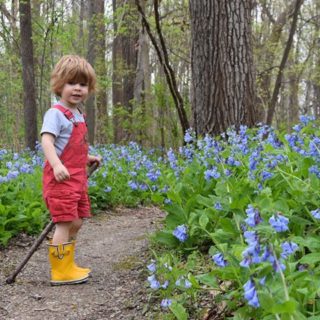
(62, 270)
(75, 266)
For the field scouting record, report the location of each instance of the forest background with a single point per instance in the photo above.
(155, 76)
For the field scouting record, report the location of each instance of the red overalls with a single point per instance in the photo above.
(68, 200)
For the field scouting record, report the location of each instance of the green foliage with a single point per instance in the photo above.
(21, 206)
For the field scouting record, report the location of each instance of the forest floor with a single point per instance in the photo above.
(113, 244)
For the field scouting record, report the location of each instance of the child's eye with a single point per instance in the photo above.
(83, 84)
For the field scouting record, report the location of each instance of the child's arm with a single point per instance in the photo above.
(59, 170)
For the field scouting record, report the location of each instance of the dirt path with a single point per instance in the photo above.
(113, 245)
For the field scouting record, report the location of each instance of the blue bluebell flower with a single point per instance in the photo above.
(267, 255)
(143, 186)
(218, 206)
(315, 170)
(180, 232)
(251, 255)
(219, 260)
(153, 175)
(165, 303)
(188, 136)
(297, 127)
(250, 294)
(12, 175)
(3, 179)
(183, 282)
(172, 159)
(265, 175)
(278, 265)
(9, 164)
(251, 237)
(152, 267)
(288, 248)
(213, 173)
(316, 213)
(154, 283)
(187, 152)
(305, 119)
(279, 222)
(314, 147)
(133, 185)
(254, 217)
(262, 281)
(107, 189)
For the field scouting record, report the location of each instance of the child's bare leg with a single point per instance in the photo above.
(61, 233)
(75, 227)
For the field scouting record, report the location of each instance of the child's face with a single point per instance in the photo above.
(74, 93)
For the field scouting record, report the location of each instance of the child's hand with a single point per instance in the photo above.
(60, 172)
(94, 159)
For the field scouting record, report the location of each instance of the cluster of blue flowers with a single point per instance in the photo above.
(181, 233)
(256, 253)
(17, 164)
(181, 283)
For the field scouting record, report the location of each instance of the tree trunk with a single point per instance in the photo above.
(129, 58)
(142, 87)
(277, 86)
(91, 57)
(29, 94)
(117, 93)
(223, 89)
(124, 67)
(268, 57)
(101, 70)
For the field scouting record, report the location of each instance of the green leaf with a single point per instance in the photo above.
(203, 221)
(166, 238)
(208, 279)
(310, 258)
(286, 307)
(205, 201)
(281, 205)
(312, 243)
(178, 310)
(176, 215)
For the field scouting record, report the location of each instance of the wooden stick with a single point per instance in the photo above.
(40, 239)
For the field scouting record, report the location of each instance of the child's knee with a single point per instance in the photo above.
(76, 224)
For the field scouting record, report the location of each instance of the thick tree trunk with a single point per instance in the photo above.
(223, 90)
(29, 94)
(124, 59)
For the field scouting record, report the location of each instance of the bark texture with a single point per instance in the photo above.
(223, 90)
(29, 93)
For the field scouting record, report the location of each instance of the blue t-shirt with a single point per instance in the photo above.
(56, 123)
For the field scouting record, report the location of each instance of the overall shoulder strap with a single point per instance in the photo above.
(67, 113)
(84, 115)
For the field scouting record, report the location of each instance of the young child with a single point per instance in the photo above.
(65, 146)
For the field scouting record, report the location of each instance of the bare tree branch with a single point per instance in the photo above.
(164, 61)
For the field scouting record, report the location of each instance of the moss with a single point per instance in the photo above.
(127, 263)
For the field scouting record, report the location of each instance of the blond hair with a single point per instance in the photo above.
(72, 68)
